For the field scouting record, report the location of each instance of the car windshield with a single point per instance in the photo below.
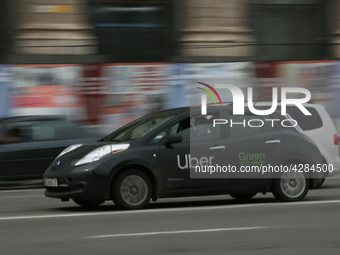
(139, 127)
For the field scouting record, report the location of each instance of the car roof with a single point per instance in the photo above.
(31, 118)
(265, 103)
(225, 107)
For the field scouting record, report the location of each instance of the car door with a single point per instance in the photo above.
(250, 147)
(15, 161)
(41, 142)
(29, 157)
(177, 162)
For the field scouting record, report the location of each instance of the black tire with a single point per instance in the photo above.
(243, 196)
(131, 190)
(290, 187)
(88, 203)
(318, 184)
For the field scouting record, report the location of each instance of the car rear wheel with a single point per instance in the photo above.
(131, 190)
(243, 196)
(88, 203)
(290, 187)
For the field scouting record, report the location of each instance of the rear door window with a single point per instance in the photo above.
(308, 122)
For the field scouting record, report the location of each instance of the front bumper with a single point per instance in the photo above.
(89, 181)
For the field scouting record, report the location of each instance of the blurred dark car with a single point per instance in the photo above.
(29, 144)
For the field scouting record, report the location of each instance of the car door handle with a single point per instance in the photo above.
(217, 148)
(273, 141)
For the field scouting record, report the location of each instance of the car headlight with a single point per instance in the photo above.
(101, 152)
(68, 149)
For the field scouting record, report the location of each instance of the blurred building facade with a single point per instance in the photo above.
(107, 62)
(5, 29)
(57, 27)
(258, 29)
(83, 31)
(215, 28)
(133, 31)
(47, 31)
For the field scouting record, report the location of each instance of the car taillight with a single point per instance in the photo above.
(336, 139)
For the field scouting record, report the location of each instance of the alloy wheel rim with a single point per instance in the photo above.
(293, 184)
(134, 190)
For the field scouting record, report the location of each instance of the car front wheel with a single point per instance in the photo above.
(131, 190)
(290, 187)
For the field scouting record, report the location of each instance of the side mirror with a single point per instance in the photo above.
(173, 138)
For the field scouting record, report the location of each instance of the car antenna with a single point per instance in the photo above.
(257, 100)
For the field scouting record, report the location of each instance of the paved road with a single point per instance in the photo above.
(33, 224)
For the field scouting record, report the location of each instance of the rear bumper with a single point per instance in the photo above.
(334, 172)
(333, 165)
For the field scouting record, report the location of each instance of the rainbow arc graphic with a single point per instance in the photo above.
(209, 93)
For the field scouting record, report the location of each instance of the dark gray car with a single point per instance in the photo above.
(152, 157)
(29, 144)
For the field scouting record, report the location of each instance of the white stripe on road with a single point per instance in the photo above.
(164, 210)
(176, 232)
(22, 196)
(21, 190)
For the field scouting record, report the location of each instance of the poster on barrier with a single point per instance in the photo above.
(47, 90)
(316, 76)
(240, 74)
(131, 91)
